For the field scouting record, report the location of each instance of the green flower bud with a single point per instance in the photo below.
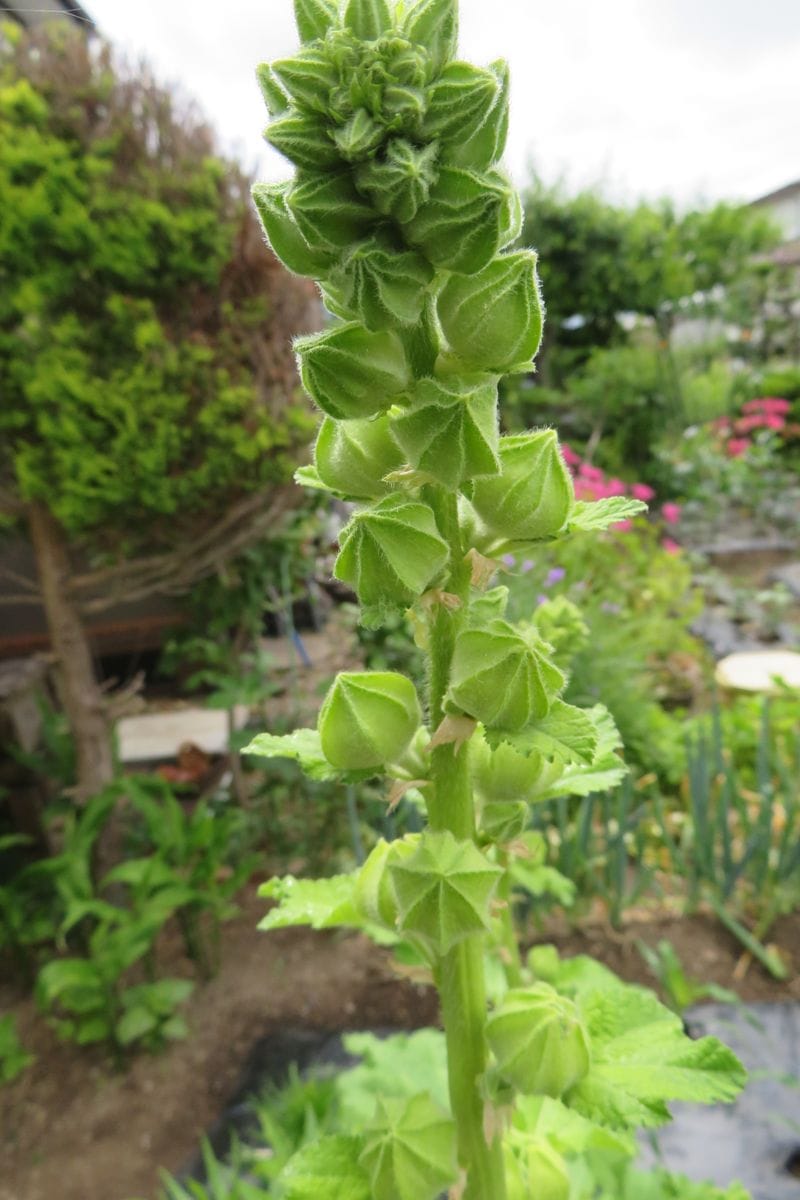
(283, 234)
(462, 226)
(561, 624)
(304, 141)
(309, 77)
(380, 284)
(502, 677)
(434, 25)
(359, 137)
(485, 147)
(450, 431)
(329, 211)
(351, 372)
(539, 1040)
(410, 1150)
(548, 1178)
(314, 18)
(374, 895)
(400, 183)
(275, 97)
(390, 554)
(532, 496)
(503, 780)
(352, 457)
(367, 19)
(367, 719)
(494, 318)
(444, 890)
(458, 103)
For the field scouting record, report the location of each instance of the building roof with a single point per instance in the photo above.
(35, 12)
(781, 193)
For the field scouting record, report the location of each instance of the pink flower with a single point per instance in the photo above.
(616, 487)
(623, 526)
(767, 404)
(774, 421)
(590, 472)
(753, 421)
(641, 491)
(736, 447)
(568, 454)
(671, 512)
(670, 545)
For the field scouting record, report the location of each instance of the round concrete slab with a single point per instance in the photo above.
(758, 670)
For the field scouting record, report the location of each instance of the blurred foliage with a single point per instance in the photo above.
(138, 304)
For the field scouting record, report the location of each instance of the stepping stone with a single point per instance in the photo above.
(757, 670)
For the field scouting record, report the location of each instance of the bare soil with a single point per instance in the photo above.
(73, 1127)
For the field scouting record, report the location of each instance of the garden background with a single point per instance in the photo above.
(166, 591)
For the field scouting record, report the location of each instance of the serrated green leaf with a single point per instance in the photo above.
(443, 890)
(606, 770)
(600, 514)
(566, 733)
(395, 1067)
(319, 903)
(641, 1058)
(303, 745)
(542, 881)
(327, 1169)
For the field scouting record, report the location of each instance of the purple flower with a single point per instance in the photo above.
(609, 607)
(527, 564)
(554, 575)
(509, 560)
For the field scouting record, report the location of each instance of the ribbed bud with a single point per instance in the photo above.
(380, 284)
(390, 554)
(304, 140)
(458, 103)
(367, 719)
(450, 430)
(283, 233)
(532, 496)
(485, 147)
(410, 1150)
(309, 77)
(367, 19)
(314, 18)
(503, 780)
(434, 25)
(463, 224)
(351, 372)
(401, 182)
(274, 95)
(329, 211)
(494, 318)
(502, 677)
(539, 1040)
(352, 457)
(359, 137)
(374, 896)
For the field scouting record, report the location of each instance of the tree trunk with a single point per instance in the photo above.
(81, 696)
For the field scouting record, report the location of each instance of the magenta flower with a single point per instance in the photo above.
(568, 454)
(670, 545)
(641, 491)
(736, 447)
(671, 512)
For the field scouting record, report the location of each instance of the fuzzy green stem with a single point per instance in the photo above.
(459, 973)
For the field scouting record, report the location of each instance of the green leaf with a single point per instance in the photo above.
(320, 903)
(410, 1150)
(135, 1024)
(395, 1067)
(303, 745)
(566, 733)
(606, 770)
(443, 890)
(600, 514)
(327, 1169)
(314, 18)
(542, 881)
(641, 1058)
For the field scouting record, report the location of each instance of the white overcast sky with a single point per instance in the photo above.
(694, 99)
